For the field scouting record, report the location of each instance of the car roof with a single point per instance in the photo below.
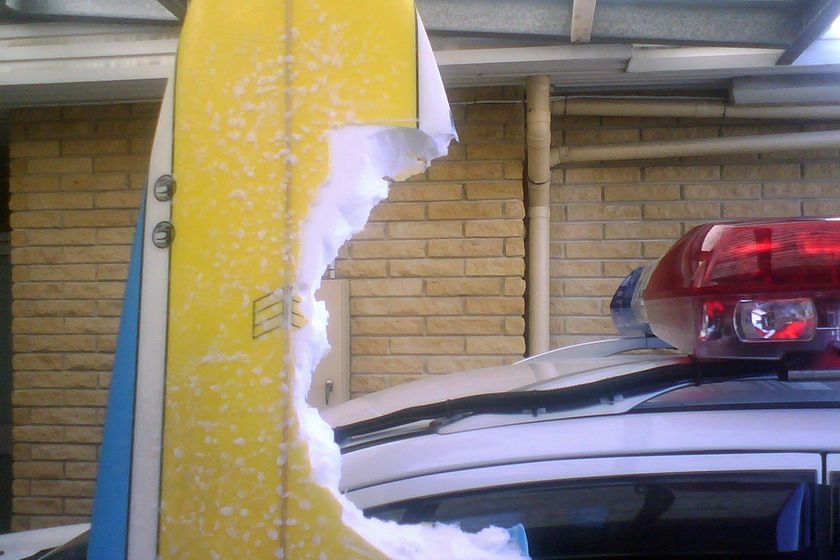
(566, 367)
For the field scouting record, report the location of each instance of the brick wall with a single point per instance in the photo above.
(607, 219)
(437, 276)
(76, 175)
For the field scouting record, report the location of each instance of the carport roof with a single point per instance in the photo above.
(53, 51)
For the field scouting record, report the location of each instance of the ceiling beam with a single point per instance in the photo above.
(583, 16)
(816, 21)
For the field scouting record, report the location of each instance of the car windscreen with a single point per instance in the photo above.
(747, 393)
(755, 514)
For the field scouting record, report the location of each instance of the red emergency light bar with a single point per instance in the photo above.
(749, 289)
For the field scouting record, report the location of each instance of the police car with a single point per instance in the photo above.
(711, 429)
(728, 446)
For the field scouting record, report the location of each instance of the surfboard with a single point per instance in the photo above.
(282, 127)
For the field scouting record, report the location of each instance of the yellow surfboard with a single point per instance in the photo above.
(290, 119)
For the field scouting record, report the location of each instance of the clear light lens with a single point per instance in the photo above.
(782, 319)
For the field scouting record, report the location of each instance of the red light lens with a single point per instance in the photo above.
(723, 287)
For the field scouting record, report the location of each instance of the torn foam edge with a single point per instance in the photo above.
(361, 158)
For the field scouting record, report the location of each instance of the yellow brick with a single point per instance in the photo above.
(466, 171)
(464, 210)
(761, 209)
(388, 249)
(80, 470)
(50, 130)
(424, 230)
(513, 170)
(601, 136)
(85, 112)
(38, 326)
(58, 201)
(106, 343)
(427, 345)
(38, 434)
(427, 192)
(371, 231)
(58, 237)
(45, 451)
(37, 469)
(495, 306)
(495, 151)
(114, 235)
(35, 114)
(485, 190)
(34, 149)
(514, 287)
(425, 306)
(821, 208)
(33, 183)
(101, 254)
(681, 211)
(590, 287)
(655, 249)
(567, 268)
(37, 290)
(514, 247)
(495, 112)
(601, 212)
(427, 267)
(360, 345)
(387, 364)
(456, 152)
(95, 146)
(37, 505)
(388, 211)
(620, 269)
(109, 308)
(59, 165)
(567, 230)
(35, 219)
(85, 434)
(53, 343)
(451, 364)
(53, 308)
(493, 228)
(98, 397)
(496, 345)
(36, 255)
(88, 362)
(514, 209)
(574, 193)
(78, 506)
(590, 325)
(465, 247)
(828, 170)
(113, 163)
(39, 362)
(481, 132)
(94, 182)
(464, 286)
(387, 287)
(62, 272)
(464, 326)
(361, 384)
(722, 191)
(602, 175)
(642, 230)
(119, 199)
(768, 171)
(614, 193)
(567, 306)
(501, 266)
(386, 326)
(801, 190)
(91, 325)
(98, 218)
(602, 249)
(112, 271)
(62, 488)
(682, 173)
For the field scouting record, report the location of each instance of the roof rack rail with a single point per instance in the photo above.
(600, 348)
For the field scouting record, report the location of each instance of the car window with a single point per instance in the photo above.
(723, 514)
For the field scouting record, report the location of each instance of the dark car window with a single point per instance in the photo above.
(747, 514)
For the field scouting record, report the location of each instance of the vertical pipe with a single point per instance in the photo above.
(538, 124)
